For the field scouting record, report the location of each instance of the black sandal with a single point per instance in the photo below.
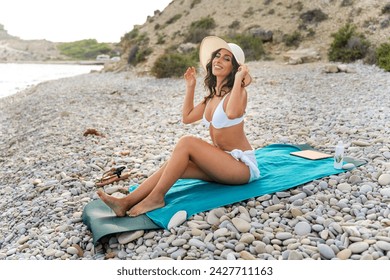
(113, 175)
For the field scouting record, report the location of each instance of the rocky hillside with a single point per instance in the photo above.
(13, 49)
(313, 20)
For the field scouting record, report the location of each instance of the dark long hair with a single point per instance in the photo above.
(210, 81)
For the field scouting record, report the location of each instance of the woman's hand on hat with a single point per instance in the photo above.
(242, 72)
(190, 76)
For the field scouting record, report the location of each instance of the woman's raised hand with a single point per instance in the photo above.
(242, 71)
(190, 76)
(242, 74)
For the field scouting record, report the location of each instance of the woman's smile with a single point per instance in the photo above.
(218, 67)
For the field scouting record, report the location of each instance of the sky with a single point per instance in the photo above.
(73, 20)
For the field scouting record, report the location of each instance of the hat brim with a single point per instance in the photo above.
(209, 45)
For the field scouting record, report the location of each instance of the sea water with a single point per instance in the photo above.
(15, 77)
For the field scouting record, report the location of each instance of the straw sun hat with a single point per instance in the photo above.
(212, 43)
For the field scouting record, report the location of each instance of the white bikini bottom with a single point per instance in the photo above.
(249, 158)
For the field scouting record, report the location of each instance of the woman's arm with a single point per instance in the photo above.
(237, 102)
(190, 113)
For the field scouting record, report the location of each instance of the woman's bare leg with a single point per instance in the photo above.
(212, 161)
(121, 205)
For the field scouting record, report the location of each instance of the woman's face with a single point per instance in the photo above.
(222, 63)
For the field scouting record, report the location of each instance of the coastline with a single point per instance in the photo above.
(18, 76)
(66, 62)
(48, 167)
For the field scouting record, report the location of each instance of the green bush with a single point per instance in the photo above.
(173, 19)
(346, 3)
(234, 25)
(136, 45)
(134, 37)
(271, 12)
(87, 49)
(200, 29)
(383, 56)
(249, 12)
(348, 45)
(142, 55)
(313, 16)
(194, 3)
(172, 65)
(129, 36)
(160, 39)
(386, 9)
(291, 40)
(137, 55)
(251, 45)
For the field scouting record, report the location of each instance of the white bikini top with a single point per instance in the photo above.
(220, 119)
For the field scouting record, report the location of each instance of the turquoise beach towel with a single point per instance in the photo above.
(279, 171)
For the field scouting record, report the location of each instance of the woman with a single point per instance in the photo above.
(230, 158)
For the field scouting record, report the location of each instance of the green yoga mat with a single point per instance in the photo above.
(279, 171)
(102, 221)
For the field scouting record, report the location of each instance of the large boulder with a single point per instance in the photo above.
(300, 56)
(264, 35)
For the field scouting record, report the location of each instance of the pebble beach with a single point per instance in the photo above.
(49, 165)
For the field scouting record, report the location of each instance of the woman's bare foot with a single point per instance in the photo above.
(116, 204)
(146, 205)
